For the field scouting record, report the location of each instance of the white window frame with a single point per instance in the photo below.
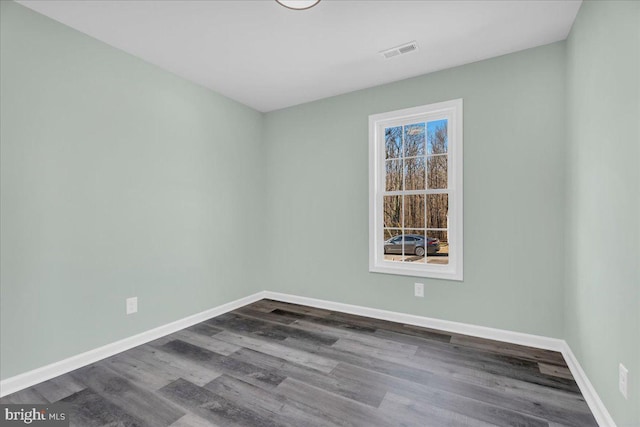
(452, 111)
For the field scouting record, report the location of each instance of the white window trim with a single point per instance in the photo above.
(451, 110)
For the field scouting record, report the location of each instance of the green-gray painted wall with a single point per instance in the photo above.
(514, 143)
(118, 179)
(602, 302)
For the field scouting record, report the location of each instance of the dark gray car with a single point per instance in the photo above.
(413, 244)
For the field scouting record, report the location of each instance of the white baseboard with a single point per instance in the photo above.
(520, 338)
(30, 378)
(594, 402)
(602, 416)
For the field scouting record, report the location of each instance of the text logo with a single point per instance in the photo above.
(52, 415)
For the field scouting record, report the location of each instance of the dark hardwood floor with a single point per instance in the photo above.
(278, 364)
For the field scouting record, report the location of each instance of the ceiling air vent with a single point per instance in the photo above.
(400, 50)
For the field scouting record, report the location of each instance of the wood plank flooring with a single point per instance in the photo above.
(278, 364)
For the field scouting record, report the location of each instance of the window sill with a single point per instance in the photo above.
(435, 272)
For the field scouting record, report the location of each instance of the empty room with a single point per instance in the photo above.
(320, 213)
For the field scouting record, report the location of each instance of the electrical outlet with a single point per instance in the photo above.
(132, 305)
(419, 289)
(623, 373)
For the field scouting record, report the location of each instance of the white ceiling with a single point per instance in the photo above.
(269, 57)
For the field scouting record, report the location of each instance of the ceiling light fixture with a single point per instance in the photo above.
(298, 4)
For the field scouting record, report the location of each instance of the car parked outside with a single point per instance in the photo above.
(413, 244)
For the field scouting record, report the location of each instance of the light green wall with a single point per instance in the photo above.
(603, 208)
(118, 179)
(514, 142)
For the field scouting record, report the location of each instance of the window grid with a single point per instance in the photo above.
(416, 188)
(405, 192)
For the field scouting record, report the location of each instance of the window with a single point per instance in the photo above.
(415, 191)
